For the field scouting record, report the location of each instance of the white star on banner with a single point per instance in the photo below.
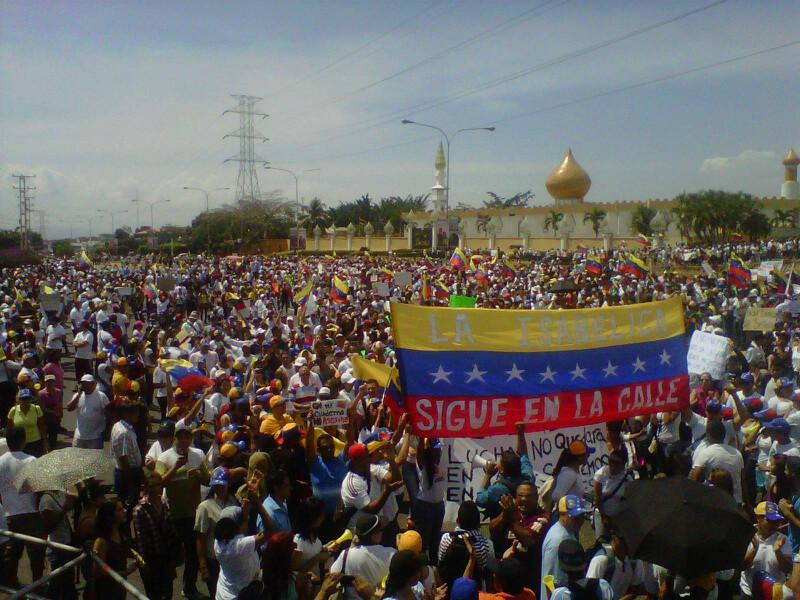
(610, 370)
(476, 373)
(578, 372)
(548, 375)
(638, 365)
(514, 373)
(441, 375)
(665, 358)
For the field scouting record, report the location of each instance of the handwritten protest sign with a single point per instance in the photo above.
(707, 268)
(51, 302)
(708, 353)
(125, 291)
(330, 412)
(766, 267)
(760, 319)
(463, 459)
(165, 284)
(381, 288)
(792, 307)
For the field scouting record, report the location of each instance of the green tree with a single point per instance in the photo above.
(754, 223)
(640, 219)
(481, 222)
(714, 215)
(553, 221)
(595, 217)
(783, 218)
(63, 249)
(518, 200)
(314, 214)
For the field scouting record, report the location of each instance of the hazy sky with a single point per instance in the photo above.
(101, 99)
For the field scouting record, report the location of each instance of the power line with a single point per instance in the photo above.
(597, 95)
(518, 74)
(518, 19)
(355, 51)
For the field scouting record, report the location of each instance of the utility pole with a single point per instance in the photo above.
(247, 189)
(24, 190)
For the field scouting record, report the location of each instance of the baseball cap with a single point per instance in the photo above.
(166, 429)
(347, 378)
(219, 477)
(768, 510)
(300, 362)
(578, 447)
(571, 556)
(324, 392)
(464, 588)
(182, 427)
(410, 540)
(122, 361)
(778, 425)
(573, 506)
(356, 451)
(376, 445)
(49, 377)
(746, 377)
(275, 400)
(784, 382)
(87, 378)
(768, 414)
(713, 406)
(229, 449)
(234, 513)
(25, 393)
(367, 524)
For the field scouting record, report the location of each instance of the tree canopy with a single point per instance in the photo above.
(716, 215)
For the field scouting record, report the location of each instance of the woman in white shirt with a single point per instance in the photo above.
(567, 471)
(236, 552)
(427, 509)
(610, 482)
(312, 554)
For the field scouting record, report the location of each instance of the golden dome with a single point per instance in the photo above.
(791, 159)
(568, 181)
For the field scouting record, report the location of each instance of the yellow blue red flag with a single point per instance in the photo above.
(478, 372)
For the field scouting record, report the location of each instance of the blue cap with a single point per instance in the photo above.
(219, 477)
(768, 510)
(25, 393)
(778, 425)
(785, 382)
(713, 406)
(464, 588)
(574, 506)
(746, 377)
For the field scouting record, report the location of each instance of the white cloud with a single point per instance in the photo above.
(748, 159)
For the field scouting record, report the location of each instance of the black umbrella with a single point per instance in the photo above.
(685, 526)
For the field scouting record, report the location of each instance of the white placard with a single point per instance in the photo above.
(330, 412)
(709, 270)
(790, 306)
(381, 288)
(51, 302)
(402, 279)
(125, 291)
(708, 353)
(766, 267)
(463, 459)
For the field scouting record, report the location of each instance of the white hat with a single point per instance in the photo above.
(347, 377)
(87, 378)
(324, 391)
(300, 361)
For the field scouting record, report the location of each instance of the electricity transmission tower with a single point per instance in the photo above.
(24, 190)
(247, 189)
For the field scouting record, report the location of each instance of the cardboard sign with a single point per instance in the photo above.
(381, 288)
(165, 284)
(707, 268)
(760, 319)
(463, 460)
(790, 306)
(125, 291)
(330, 413)
(708, 353)
(402, 279)
(51, 302)
(766, 267)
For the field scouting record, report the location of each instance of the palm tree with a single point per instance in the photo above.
(595, 216)
(640, 219)
(552, 221)
(481, 222)
(782, 218)
(314, 214)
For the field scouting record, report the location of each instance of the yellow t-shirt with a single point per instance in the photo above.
(29, 421)
(272, 425)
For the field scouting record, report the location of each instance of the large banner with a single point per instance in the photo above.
(478, 372)
(463, 459)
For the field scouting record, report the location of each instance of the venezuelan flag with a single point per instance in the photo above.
(506, 270)
(778, 282)
(235, 301)
(149, 292)
(481, 277)
(302, 296)
(426, 288)
(426, 262)
(478, 372)
(84, 261)
(440, 290)
(594, 265)
(339, 291)
(738, 273)
(185, 375)
(459, 259)
(475, 260)
(635, 267)
(387, 273)
(643, 240)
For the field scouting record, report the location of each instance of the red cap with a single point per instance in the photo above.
(357, 451)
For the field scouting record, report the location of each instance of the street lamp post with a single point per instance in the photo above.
(447, 139)
(111, 213)
(152, 204)
(208, 209)
(296, 187)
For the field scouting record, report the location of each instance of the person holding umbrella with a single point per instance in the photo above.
(769, 550)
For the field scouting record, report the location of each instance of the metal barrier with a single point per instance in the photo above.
(25, 592)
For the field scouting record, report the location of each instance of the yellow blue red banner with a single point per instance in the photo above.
(478, 372)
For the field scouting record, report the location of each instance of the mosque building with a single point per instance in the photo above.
(532, 227)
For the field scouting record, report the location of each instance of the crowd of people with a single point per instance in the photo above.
(221, 469)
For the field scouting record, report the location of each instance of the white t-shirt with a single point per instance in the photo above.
(55, 335)
(155, 451)
(356, 493)
(724, 457)
(15, 502)
(160, 376)
(91, 420)
(604, 588)
(432, 493)
(766, 560)
(611, 484)
(667, 433)
(627, 573)
(780, 405)
(238, 565)
(307, 549)
(369, 562)
(86, 352)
